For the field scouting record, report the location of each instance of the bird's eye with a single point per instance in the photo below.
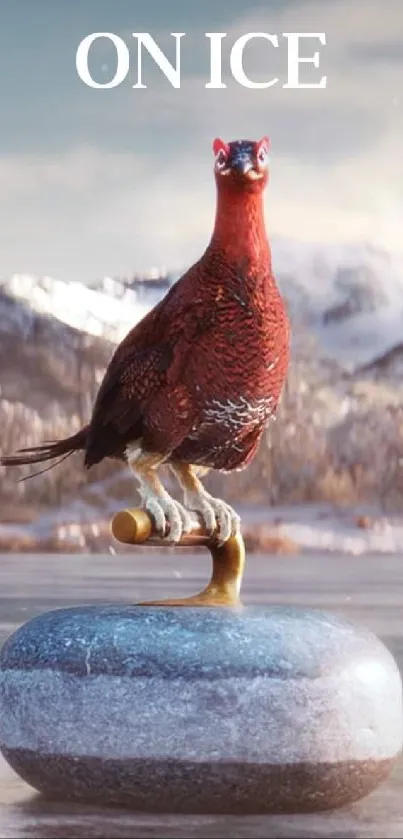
(263, 156)
(221, 159)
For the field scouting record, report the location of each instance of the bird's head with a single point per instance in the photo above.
(242, 164)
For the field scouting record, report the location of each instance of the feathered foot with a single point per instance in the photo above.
(216, 514)
(171, 518)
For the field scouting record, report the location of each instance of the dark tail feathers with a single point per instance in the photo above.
(48, 451)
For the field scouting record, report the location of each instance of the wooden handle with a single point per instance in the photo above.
(132, 527)
(136, 527)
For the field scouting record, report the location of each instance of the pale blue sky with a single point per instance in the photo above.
(107, 182)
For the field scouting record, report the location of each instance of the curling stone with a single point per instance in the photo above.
(213, 710)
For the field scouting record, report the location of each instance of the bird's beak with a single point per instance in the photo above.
(242, 165)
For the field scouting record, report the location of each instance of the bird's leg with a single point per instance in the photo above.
(216, 514)
(171, 518)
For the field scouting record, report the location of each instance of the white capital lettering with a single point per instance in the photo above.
(216, 39)
(173, 74)
(123, 60)
(237, 68)
(294, 59)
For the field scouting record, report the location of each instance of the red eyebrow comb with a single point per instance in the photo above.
(220, 145)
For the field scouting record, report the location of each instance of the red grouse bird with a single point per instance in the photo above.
(195, 382)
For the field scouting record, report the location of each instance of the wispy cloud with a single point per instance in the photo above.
(120, 180)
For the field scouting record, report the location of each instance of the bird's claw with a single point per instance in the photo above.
(218, 516)
(228, 522)
(171, 518)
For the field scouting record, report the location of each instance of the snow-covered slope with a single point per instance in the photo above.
(351, 297)
(346, 305)
(107, 313)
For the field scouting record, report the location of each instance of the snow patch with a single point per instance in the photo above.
(351, 296)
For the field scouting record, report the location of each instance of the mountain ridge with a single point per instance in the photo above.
(349, 296)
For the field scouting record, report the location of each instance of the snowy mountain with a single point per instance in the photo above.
(342, 401)
(108, 311)
(350, 297)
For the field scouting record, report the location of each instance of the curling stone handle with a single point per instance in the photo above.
(132, 527)
(136, 527)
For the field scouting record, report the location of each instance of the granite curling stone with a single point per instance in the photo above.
(256, 710)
